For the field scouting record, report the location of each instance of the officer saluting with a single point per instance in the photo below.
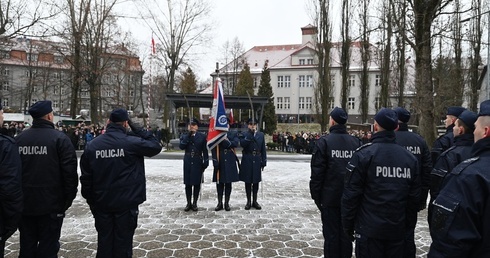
(113, 182)
(381, 192)
(10, 187)
(254, 159)
(49, 182)
(445, 141)
(330, 156)
(460, 225)
(196, 160)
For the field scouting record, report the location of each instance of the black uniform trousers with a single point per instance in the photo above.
(115, 231)
(336, 243)
(39, 235)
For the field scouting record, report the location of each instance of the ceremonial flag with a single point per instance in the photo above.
(232, 120)
(218, 125)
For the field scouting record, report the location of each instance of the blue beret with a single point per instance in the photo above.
(484, 108)
(252, 121)
(339, 115)
(40, 109)
(194, 121)
(403, 114)
(119, 115)
(387, 119)
(468, 118)
(455, 111)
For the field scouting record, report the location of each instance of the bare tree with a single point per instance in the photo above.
(232, 51)
(385, 53)
(345, 53)
(475, 41)
(19, 16)
(365, 59)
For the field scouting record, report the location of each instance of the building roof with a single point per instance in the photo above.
(206, 101)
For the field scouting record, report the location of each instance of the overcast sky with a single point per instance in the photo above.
(254, 22)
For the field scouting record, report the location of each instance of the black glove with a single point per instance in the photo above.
(8, 233)
(350, 234)
(134, 127)
(190, 133)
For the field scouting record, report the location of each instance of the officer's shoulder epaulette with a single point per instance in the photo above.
(364, 146)
(463, 165)
(7, 138)
(448, 150)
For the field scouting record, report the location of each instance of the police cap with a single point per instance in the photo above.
(119, 115)
(387, 119)
(40, 109)
(252, 121)
(339, 115)
(194, 121)
(484, 108)
(403, 114)
(468, 118)
(455, 111)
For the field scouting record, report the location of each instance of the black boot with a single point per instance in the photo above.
(248, 205)
(188, 207)
(220, 202)
(227, 203)
(255, 204)
(194, 206)
(188, 196)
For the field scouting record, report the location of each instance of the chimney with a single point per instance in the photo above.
(309, 34)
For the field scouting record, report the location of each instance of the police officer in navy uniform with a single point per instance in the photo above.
(381, 192)
(49, 182)
(445, 141)
(196, 160)
(460, 151)
(254, 159)
(113, 182)
(225, 168)
(418, 147)
(10, 187)
(460, 226)
(328, 164)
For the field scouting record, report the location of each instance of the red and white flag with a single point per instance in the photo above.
(232, 120)
(153, 48)
(218, 124)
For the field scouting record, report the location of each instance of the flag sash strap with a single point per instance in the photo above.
(218, 124)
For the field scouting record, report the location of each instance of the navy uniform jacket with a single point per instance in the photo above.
(10, 185)
(328, 165)
(381, 189)
(418, 147)
(442, 143)
(460, 151)
(196, 158)
(460, 224)
(254, 157)
(113, 168)
(49, 169)
(225, 164)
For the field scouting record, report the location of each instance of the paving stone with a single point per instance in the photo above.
(213, 252)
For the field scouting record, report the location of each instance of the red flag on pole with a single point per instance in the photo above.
(153, 49)
(232, 120)
(218, 124)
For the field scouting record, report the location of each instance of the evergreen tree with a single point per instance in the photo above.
(188, 85)
(244, 85)
(265, 90)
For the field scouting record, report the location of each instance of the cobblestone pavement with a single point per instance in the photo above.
(288, 225)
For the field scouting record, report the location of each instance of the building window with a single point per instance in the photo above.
(308, 102)
(58, 59)
(33, 101)
(255, 82)
(331, 102)
(131, 92)
(55, 103)
(351, 103)
(287, 103)
(352, 81)
(5, 71)
(5, 102)
(62, 105)
(279, 102)
(309, 80)
(5, 85)
(302, 81)
(332, 80)
(287, 81)
(5, 54)
(310, 61)
(301, 103)
(301, 62)
(377, 80)
(32, 57)
(63, 91)
(280, 81)
(84, 94)
(56, 75)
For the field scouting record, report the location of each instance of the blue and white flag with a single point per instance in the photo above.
(218, 124)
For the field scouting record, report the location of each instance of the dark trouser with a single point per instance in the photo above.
(249, 187)
(336, 242)
(410, 249)
(189, 194)
(115, 233)
(40, 235)
(2, 248)
(223, 187)
(371, 247)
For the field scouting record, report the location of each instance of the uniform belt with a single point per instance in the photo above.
(192, 154)
(254, 153)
